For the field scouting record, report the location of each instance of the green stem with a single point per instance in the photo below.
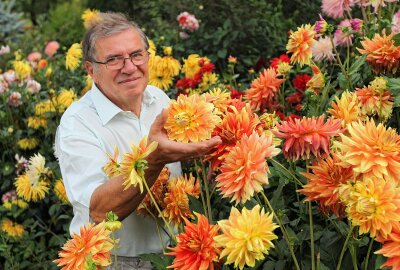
(311, 236)
(284, 232)
(344, 248)
(363, 12)
(342, 67)
(289, 172)
(115, 252)
(158, 228)
(368, 254)
(208, 199)
(203, 201)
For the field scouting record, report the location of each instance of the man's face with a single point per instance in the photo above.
(124, 86)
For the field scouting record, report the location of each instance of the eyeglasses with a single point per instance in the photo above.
(118, 62)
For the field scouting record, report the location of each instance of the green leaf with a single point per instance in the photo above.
(159, 261)
(195, 205)
(357, 64)
(396, 101)
(393, 85)
(396, 39)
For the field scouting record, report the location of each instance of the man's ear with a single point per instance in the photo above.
(89, 68)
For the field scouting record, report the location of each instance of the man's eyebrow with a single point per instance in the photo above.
(119, 55)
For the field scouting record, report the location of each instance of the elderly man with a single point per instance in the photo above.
(120, 109)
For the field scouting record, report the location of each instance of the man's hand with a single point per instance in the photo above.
(170, 151)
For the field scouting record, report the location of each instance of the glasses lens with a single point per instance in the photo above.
(139, 59)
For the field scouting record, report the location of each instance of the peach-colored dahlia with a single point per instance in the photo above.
(245, 170)
(176, 201)
(220, 98)
(234, 125)
(375, 103)
(191, 119)
(263, 90)
(325, 178)
(92, 242)
(383, 55)
(372, 203)
(391, 249)
(196, 248)
(370, 149)
(347, 108)
(246, 236)
(300, 45)
(307, 136)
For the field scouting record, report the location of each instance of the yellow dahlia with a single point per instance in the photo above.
(347, 108)
(160, 80)
(162, 71)
(133, 164)
(65, 99)
(90, 18)
(191, 65)
(307, 136)
(152, 47)
(176, 201)
(325, 178)
(220, 98)
(245, 170)
(37, 122)
(383, 54)
(372, 203)
(93, 242)
(263, 90)
(300, 45)
(28, 143)
(170, 66)
(246, 236)
(74, 55)
(370, 149)
(317, 81)
(22, 69)
(44, 107)
(31, 189)
(196, 248)
(158, 190)
(191, 119)
(59, 190)
(112, 168)
(18, 202)
(12, 229)
(88, 85)
(375, 102)
(209, 79)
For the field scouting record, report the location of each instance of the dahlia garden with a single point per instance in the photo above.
(307, 175)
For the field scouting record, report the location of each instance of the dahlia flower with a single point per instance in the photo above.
(196, 248)
(391, 249)
(93, 242)
(325, 178)
(370, 149)
(28, 143)
(246, 236)
(188, 21)
(383, 54)
(346, 108)
(220, 98)
(245, 170)
(133, 164)
(307, 136)
(374, 102)
(51, 48)
(263, 90)
(191, 119)
(59, 190)
(396, 23)
(372, 203)
(191, 65)
(12, 229)
(342, 35)
(73, 57)
(112, 168)
(336, 8)
(31, 189)
(22, 69)
(14, 99)
(300, 44)
(317, 81)
(323, 50)
(90, 18)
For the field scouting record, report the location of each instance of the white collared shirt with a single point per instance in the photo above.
(89, 129)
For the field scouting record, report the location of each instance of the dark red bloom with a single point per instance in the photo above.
(294, 98)
(282, 58)
(300, 82)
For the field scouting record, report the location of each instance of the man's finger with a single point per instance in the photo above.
(159, 122)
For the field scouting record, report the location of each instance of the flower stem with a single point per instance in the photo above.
(208, 200)
(342, 67)
(289, 172)
(344, 248)
(368, 253)
(284, 232)
(311, 236)
(115, 252)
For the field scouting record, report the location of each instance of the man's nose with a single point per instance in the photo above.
(129, 66)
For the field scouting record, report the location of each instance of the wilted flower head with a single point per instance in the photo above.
(188, 21)
(196, 248)
(246, 236)
(336, 8)
(317, 81)
(51, 48)
(323, 50)
(14, 99)
(307, 136)
(300, 44)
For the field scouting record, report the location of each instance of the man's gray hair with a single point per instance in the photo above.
(108, 24)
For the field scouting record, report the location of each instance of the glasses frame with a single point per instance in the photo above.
(147, 54)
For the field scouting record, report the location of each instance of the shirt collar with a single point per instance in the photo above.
(106, 109)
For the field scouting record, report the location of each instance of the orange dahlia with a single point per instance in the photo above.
(176, 201)
(391, 249)
(325, 178)
(191, 119)
(133, 164)
(300, 45)
(246, 236)
(375, 103)
(158, 190)
(372, 203)
(347, 108)
(112, 168)
(234, 125)
(317, 81)
(383, 55)
(370, 149)
(263, 90)
(93, 242)
(220, 98)
(245, 170)
(307, 136)
(196, 247)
